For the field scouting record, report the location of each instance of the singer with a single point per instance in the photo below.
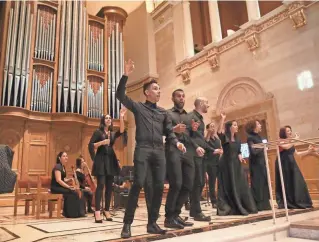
(105, 165)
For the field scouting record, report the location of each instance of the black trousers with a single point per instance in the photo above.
(180, 172)
(88, 197)
(212, 170)
(102, 181)
(199, 182)
(148, 190)
(147, 161)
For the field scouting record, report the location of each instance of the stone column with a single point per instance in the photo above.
(188, 33)
(253, 9)
(214, 18)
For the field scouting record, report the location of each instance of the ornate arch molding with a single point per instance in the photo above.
(239, 93)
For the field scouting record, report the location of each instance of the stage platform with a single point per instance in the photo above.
(26, 228)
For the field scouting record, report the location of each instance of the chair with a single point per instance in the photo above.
(25, 195)
(44, 194)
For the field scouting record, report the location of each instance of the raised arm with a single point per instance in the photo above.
(221, 127)
(310, 150)
(254, 151)
(122, 114)
(121, 89)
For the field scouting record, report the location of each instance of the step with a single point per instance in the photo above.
(305, 229)
(290, 239)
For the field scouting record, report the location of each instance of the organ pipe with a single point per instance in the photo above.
(86, 53)
(17, 55)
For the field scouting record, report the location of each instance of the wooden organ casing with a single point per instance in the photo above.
(59, 69)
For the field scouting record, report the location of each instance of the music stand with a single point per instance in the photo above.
(125, 173)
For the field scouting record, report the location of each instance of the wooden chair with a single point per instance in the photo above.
(25, 195)
(44, 194)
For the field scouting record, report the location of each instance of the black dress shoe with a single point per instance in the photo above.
(183, 222)
(153, 228)
(172, 223)
(202, 217)
(90, 210)
(126, 231)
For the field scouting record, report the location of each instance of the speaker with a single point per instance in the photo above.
(8, 178)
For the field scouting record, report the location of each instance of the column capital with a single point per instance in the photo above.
(175, 2)
(113, 11)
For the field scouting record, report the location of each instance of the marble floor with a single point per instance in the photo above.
(27, 228)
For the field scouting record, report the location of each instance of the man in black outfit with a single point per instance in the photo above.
(201, 106)
(180, 167)
(152, 123)
(211, 160)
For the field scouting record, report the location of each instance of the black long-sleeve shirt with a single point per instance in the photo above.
(152, 122)
(216, 144)
(198, 136)
(177, 117)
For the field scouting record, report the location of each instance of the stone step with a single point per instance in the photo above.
(305, 229)
(290, 239)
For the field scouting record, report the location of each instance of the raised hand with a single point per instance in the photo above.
(223, 115)
(243, 161)
(200, 151)
(218, 151)
(195, 125)
(107, 141)
(181, 147)
(129, 67)
(123, 111)
(179, 128)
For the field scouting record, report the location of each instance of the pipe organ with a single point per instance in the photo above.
(115, 20)
(56, 68)
(71, 77)
(58, 58)
(41, 95)
(16, 66)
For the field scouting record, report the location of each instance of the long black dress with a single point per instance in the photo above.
(234, 195)
(73, 206)
(258, 173)
(295, 186)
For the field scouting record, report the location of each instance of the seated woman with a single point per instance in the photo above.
(80, 165)
(74, 206)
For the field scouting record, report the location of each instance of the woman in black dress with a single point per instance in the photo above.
(296, 189)
(105, 165)
(73, 207)
(257, 167)
(80, 165)
(234, 195)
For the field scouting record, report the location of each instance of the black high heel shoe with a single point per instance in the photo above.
(107, 218)
(98, 221)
